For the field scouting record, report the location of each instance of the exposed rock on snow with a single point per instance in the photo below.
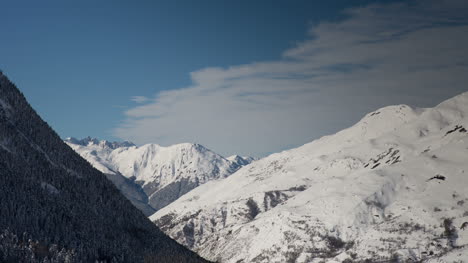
(241, 160)
(152, 176)
(393, 186)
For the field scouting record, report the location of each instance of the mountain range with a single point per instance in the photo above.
(153, 176)
(391, 188)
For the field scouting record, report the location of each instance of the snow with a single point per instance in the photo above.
(369, 186)
(241, 160)
(88, 141)
(164, 173)
(151, 162)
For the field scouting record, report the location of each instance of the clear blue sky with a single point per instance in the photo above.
(79, 63)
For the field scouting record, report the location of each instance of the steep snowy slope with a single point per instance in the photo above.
(392, 187)
(162, 174)
(241, 160)
(90, 147)
(55, 207)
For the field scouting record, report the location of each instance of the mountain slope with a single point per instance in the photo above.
(241, 160)
(55, 207)
(392, 187)
(154, 174)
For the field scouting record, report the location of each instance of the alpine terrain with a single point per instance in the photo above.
(55, 207)
(152, 176)
(391, 188)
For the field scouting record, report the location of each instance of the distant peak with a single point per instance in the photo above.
(240, 160)
(88, 141)
(188, 145)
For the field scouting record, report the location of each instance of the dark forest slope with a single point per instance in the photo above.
(55, 207)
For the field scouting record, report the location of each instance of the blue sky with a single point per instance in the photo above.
(81, 65)
(80, 62)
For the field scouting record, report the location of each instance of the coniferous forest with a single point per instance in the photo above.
(55, 207)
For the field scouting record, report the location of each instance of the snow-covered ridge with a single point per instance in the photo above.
(162, 173)
(393, 186)
(88, 141)
(241, 160)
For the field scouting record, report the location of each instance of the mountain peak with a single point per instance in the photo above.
(89, 141)
(392, 184)
(163, 173)
(240, 160)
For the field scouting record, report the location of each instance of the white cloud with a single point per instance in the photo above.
(414, 53)
(140, 99)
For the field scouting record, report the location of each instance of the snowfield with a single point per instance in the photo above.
(392, 187)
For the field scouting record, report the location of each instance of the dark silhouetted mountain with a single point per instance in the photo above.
(55, 207)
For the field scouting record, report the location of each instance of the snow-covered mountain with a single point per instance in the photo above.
(152, 176)
(391, 188)
(241, 160)
(55, 207)
(103, 143)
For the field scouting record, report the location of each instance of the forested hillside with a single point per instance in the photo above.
(56, 207)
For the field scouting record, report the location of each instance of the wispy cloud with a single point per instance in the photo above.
(414, 52)
(140, 99)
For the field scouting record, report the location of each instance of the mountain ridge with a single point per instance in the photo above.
(390, 187)
(163, 174)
